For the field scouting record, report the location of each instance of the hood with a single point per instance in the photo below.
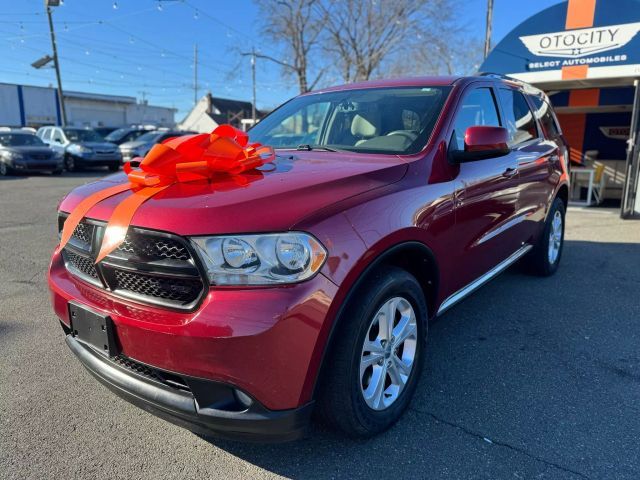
(300, 184)
(30, 150)
(97, 145)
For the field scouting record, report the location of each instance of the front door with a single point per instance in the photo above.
(486, 195)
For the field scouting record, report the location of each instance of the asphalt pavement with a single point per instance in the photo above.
(527, 378)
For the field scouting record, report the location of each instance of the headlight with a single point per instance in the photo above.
(13, 155)
(260, 259)
(79, 149)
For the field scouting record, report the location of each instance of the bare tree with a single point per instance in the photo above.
(363, 35)
(297, 25)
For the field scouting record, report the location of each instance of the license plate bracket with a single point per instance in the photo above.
(92, 329)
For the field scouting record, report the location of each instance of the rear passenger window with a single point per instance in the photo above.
(478, 108)
(544, 114)
(46, 134)
(517, 117)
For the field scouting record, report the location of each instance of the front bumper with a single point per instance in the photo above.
(266, 342)
(36, 166)
(189, 409)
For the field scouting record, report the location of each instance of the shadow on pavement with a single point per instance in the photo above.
(527, 377)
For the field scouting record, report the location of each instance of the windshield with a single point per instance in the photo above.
(20, 140)
(149, 137)
(117, 134)
(80, 135)
(375, 120)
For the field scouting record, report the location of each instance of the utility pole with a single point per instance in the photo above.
(487, 38)
(48, 4)
(253, 80)
(252, 54)
(195, 74)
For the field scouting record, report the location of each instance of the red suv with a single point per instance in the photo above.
(238, 307)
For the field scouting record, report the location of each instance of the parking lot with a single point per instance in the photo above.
(527, 378)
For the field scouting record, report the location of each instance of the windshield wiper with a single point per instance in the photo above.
(308, 147)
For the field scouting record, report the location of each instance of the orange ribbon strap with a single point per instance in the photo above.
(181, 159)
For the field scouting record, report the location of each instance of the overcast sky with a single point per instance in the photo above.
(145, 47)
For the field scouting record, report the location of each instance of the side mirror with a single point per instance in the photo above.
(482, 142)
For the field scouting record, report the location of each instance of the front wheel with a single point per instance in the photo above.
(114, 167)
(70, 164)
(544, 259)
(377, 356)
(4, 169)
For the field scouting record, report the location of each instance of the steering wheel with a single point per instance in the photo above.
(410, 135)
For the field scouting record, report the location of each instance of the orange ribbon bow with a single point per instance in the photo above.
(181, 159)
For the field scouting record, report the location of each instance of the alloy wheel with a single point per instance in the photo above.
(3, 169)
(388, 353)
(555, 237)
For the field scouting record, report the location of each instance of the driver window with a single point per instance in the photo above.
(478, 108)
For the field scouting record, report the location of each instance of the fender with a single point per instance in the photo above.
(367, 263)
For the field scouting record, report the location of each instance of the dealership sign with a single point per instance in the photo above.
(582, 42)
(572, 41)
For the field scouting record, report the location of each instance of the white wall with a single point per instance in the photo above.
(137, 113)
(198, 120)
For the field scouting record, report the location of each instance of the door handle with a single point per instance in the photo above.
(510, 172)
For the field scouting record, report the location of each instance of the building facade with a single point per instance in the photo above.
(586, 55)
(211, 111)
(29, 106)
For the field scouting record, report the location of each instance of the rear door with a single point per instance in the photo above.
(486, 194)
(536, 157)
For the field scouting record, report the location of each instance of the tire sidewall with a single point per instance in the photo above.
(69, 164)
(557, 205)
(407, 287)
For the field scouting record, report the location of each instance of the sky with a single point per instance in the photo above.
(145, 48)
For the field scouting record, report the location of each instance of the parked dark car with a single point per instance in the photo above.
(24, 152)
(127, 134)
(141, 146)
(238, 307)
(81, 147)
(104, 131)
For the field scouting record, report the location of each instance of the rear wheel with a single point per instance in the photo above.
(377, 356)
(114, 167)
(545, 257)
(57, 172)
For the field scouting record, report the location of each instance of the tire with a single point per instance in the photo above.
(543, 260)
(114, 167)
(70, 164)
(4, 170)
(345, 382)
(56, 172)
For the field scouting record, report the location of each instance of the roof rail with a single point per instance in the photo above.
(499, 75)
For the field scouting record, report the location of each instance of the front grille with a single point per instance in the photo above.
(83, 232)
(172, 289)
(153, 248)
(82, 264)
(149, 267)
